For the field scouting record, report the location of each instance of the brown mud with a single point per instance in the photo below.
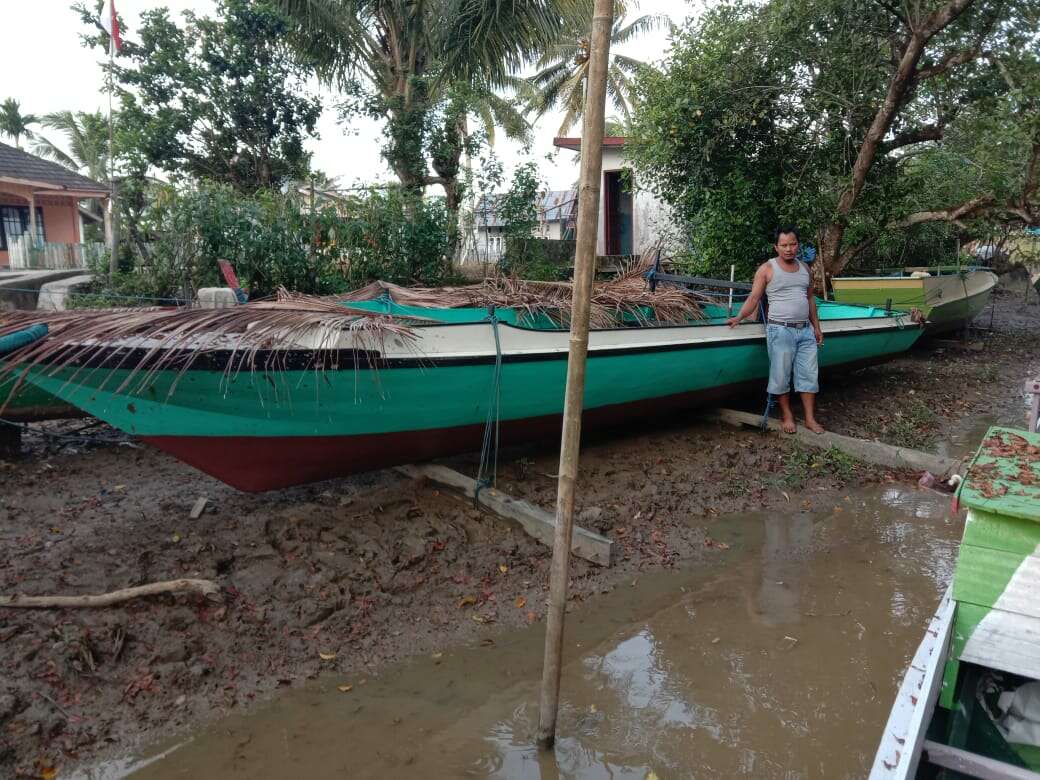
(346, 577)
(776, 658)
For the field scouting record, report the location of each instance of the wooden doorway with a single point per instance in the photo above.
(617, 213)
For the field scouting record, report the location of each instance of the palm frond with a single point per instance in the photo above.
(644, 24)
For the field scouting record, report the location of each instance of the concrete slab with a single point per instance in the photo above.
(21, 289)
(54, 296)
(216, 298)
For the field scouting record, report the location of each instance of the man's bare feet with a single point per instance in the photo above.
(814, 426)
(789, 426)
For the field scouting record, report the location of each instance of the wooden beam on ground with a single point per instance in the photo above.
(534, 520)
(861, 449)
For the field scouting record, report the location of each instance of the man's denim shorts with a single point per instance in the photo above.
(792, 348)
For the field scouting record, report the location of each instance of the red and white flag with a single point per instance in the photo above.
(110, 22)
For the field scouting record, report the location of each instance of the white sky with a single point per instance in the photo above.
(65, 75)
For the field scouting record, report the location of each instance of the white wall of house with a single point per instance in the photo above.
(650, 217)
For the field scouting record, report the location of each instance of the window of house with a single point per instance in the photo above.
(14, 222)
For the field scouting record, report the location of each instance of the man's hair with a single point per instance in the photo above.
(785, 229)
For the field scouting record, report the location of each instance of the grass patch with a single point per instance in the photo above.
(801, 463)
(913, 426)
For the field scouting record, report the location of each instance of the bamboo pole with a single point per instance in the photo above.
(584, 273)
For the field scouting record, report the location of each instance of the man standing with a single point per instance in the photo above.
(792, 327)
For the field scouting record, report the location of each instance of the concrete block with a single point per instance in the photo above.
(54, 296)
(216, 298)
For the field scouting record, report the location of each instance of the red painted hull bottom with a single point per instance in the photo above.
(258, 463)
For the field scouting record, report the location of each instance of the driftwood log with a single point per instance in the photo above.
(204, 588)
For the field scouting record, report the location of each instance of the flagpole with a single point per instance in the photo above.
(113, 218)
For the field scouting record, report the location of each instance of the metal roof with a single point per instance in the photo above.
(553, 206)
(24, 168)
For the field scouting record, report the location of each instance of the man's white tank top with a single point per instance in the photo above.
(788, 293)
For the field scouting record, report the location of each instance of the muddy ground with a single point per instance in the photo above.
(347, 576)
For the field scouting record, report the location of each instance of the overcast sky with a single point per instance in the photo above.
(46, 69)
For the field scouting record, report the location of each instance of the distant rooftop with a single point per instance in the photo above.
(18, 167)
(553, 206)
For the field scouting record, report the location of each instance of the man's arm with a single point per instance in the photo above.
(758, 287)
(814, 317)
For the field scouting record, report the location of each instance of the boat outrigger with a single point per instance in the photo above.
(969, 702)
(948, 297)
(299, 392)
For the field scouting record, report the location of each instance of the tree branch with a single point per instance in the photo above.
(953, 214)
(914, 135)
(951, 60)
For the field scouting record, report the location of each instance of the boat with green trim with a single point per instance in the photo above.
(970, 700)
(31, 404)
(28, 402)
(331, 401)
(948, 297)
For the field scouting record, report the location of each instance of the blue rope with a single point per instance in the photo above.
(489, 447)
(770, 398)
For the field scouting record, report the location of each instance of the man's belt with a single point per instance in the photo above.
(802, 324)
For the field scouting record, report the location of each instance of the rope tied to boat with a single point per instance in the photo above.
(487, 473)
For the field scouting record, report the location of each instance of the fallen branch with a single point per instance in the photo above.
(204, 588)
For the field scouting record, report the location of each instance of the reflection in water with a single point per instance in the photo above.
(776, 658)
(784, 554)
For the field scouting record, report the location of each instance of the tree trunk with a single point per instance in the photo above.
(900, 86)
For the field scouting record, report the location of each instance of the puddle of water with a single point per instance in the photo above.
(779, 658)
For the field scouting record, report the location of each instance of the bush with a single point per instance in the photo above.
(273, 241)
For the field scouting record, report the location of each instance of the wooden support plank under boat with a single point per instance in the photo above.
(868, 451)
(534, 520)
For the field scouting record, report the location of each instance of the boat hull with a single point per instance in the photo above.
(31, 404)
(948, 302)
(264, 429)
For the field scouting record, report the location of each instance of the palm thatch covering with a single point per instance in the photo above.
(145, 341)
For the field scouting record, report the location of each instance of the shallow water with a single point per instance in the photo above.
(778, 658)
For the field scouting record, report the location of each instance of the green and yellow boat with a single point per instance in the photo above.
(970, 700)
(948, 297)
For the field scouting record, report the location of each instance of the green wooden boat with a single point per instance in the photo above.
(31, 404)
(948, 297)
(329, 404)
(959, 704)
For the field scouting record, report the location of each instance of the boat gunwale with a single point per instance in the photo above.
(307, 358)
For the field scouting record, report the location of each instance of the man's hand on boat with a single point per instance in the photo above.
(819, 335)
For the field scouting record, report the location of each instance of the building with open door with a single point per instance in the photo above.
(630, 219)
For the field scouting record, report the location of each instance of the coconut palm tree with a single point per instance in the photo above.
(14, 123)
(86, 138)
(563, 68)
(414, 54)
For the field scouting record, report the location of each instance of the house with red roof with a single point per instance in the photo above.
(41, 224)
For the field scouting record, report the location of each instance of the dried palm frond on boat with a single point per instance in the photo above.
(144, 342)
(623, 299)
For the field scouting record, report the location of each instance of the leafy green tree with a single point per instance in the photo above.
(518, 208)
(221, 98)
(563, 67)
(275, 240)
(788, 111)
(14, 123)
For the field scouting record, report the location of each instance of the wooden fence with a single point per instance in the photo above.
(47, 256)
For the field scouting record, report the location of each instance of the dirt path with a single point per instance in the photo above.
(349, 575)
